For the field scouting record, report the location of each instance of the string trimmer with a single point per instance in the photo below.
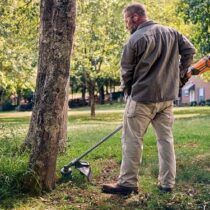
(200, 67)
(84, 166)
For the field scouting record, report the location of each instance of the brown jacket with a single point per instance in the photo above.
(152, 61)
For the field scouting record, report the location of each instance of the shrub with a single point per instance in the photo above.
(77, 103)
(193, 103)
(202, 103)
(25, 107)
(208, 102)
(7, 106)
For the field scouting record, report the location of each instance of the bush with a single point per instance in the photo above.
(193, 103)
(7, 106)
(77, 103)
(208, 102)
(117, 95)
(202, 103)
(28, 95)
(25, 107)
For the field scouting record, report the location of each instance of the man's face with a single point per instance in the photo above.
(130, 22)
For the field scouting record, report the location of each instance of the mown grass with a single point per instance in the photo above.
(192, 144)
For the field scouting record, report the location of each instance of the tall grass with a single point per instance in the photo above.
(13, 163)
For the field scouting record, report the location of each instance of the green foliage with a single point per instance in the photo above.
(101, 33)
(165, 12)
(18, 44)
(198, 13)
(98, 41)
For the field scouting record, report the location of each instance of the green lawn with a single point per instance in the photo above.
(192, 144)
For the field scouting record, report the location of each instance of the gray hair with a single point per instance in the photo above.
(135, 8)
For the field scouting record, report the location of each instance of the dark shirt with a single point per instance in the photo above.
(152, 61)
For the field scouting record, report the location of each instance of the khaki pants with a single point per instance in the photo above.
(137, 118)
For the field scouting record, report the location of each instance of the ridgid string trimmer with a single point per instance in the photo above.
(200, 67)
(83, 166)
(203, 65)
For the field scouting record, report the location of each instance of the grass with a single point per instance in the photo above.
(191, 132)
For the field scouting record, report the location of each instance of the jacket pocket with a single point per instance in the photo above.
(131, 108)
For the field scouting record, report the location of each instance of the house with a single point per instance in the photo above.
(196, 91)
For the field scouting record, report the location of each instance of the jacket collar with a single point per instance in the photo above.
(147, 23)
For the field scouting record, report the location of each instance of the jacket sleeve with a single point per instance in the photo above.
(186, 51)
(127, 67)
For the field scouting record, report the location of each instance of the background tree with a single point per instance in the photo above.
(56, 37)
(165, 12)
(99, 37)
(197, 12)
(18, 44)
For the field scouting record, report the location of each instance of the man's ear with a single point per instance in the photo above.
(135, 18)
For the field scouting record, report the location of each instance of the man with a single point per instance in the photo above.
(153, 61)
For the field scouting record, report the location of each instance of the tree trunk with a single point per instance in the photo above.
(83, 94)
(48, 120)
(92, 98)
(101, 95)
(107, 88)
(44, 71)
(19, 96)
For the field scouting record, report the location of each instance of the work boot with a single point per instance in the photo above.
(165, 189)
(118, 189)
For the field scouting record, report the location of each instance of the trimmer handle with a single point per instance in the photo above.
(203, 65)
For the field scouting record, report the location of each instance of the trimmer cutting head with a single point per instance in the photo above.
(82, 166)
(66, 172)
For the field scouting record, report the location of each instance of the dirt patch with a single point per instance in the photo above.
(203, 157)
(109, 172)
(188, 145)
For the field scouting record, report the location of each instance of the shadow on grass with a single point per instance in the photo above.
(16, 120)
(191, 191)
(193, 176)
(196, 171)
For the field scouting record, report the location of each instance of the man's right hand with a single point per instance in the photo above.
(183, 80)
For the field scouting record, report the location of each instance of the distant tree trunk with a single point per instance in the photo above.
(19, 96)
(49, 119)
(101, 94)
(92, 98)
(83, 94)
(110, 86)
(107, 88)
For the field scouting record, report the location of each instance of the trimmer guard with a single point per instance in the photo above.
(84, 168)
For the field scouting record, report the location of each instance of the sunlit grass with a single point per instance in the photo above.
(191, 136)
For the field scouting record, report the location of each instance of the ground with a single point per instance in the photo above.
(191, 134)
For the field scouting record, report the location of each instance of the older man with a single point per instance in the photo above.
(153, 61)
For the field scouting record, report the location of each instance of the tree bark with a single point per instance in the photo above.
(49, 117)
(62, 138)
(19, 96)
(101, 94)
(46, 29)
(83, 94)
(92, 98)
